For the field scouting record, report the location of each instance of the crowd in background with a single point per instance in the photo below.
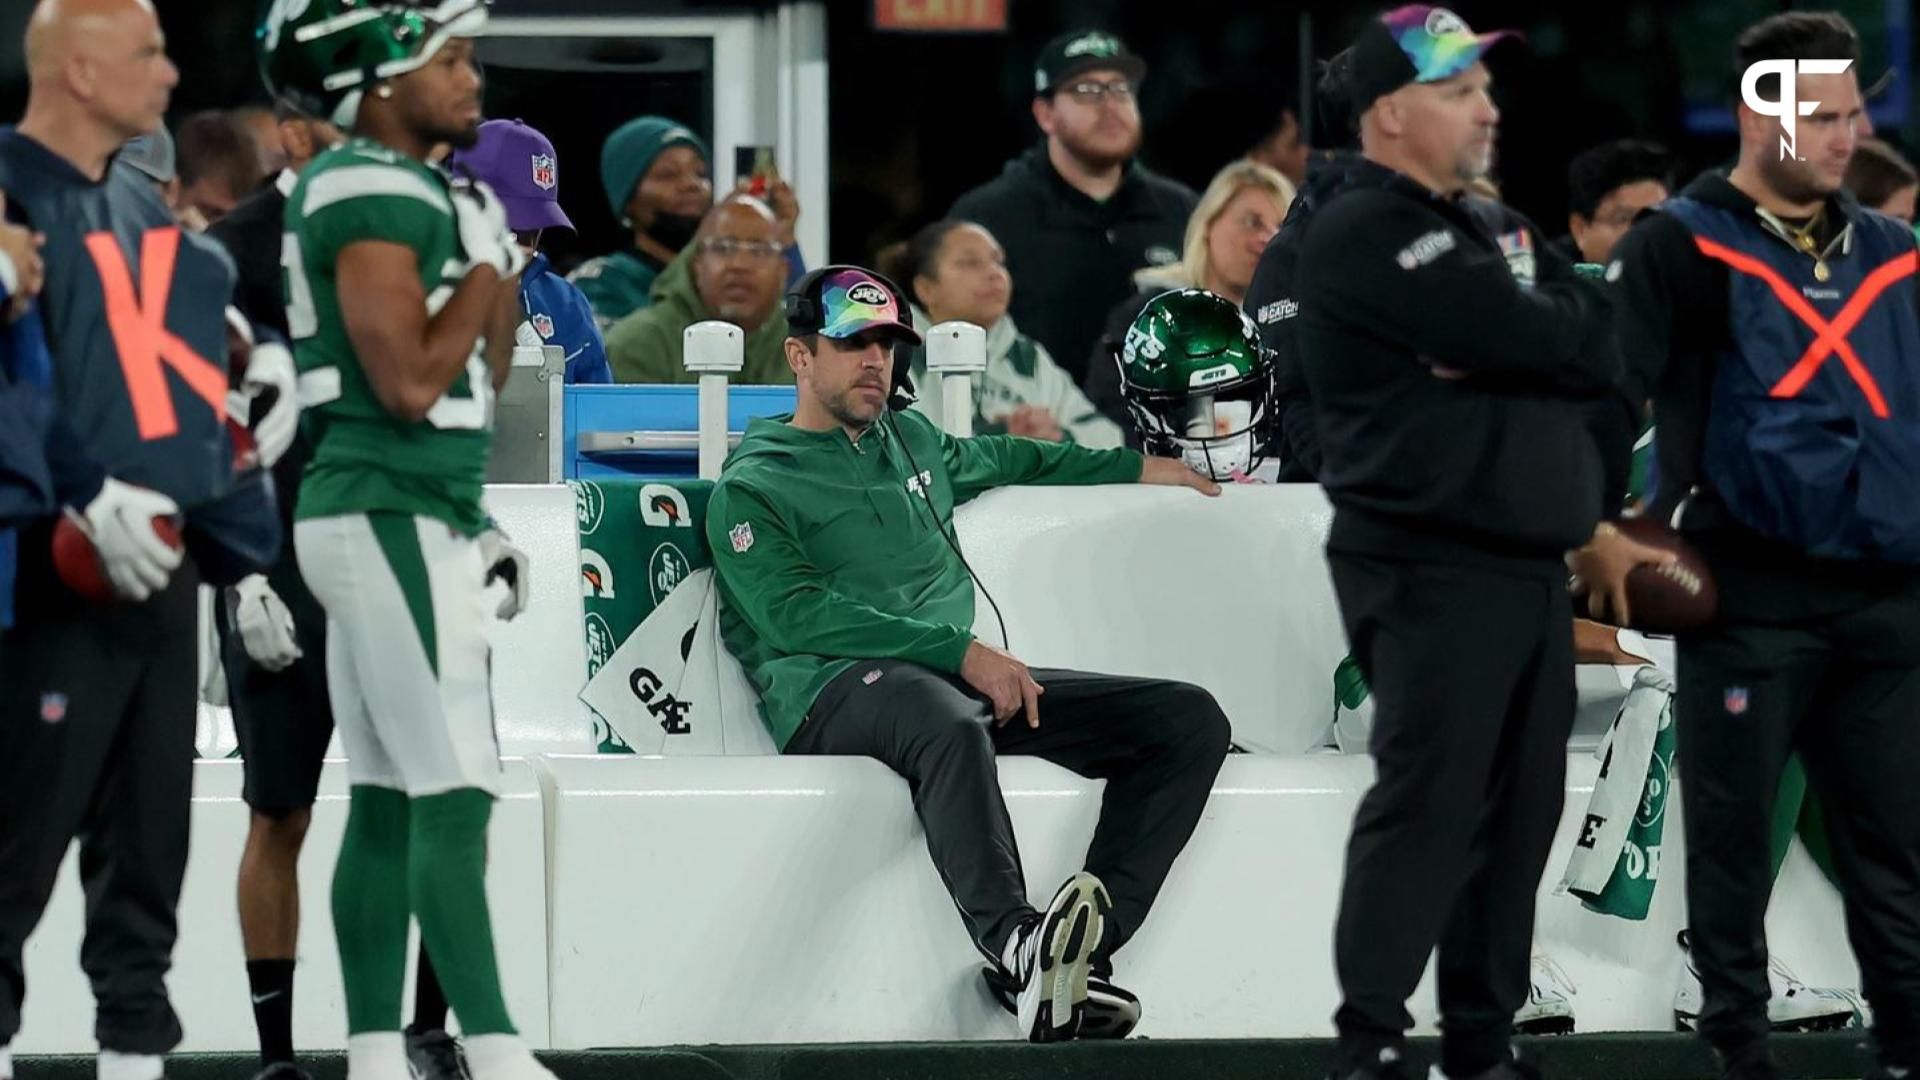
(1054, 256)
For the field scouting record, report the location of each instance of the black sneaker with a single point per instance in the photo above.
(432, 1054)
(1048, 960)
(1391, 1065)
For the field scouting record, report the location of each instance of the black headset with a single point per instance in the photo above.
(803, 307)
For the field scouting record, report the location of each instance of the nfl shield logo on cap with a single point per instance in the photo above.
(543, 172)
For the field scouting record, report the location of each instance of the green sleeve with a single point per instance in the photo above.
(985, 462)
(766, 578)
(637, 351)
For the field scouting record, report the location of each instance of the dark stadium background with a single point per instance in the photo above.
(917, 119)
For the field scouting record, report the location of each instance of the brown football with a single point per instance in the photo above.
(1672, 598)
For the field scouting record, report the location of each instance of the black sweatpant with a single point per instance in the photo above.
(1844, 691)
(283, 719)
(1157, 744)
(1472, 678)
(96, 741)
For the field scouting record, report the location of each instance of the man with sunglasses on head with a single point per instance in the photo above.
(732, 271)
(850, 605)
(1077, 214)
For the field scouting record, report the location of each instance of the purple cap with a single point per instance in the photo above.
(517, 162)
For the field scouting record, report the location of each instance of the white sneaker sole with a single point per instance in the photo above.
(1070, 931)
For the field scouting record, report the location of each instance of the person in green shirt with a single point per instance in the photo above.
(732, 272)
(849, 604)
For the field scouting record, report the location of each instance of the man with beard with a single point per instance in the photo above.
(732, 271)
(849, 603)
(658, 184)
(1773, 322)
(1473, 431)
(1077, 214)
(402, 298)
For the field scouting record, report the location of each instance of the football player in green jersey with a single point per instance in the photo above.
(401, 289)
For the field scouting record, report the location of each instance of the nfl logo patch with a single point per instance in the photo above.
(543, 171)
(872, 677)
(53, 708)
(1736, 700)
(742, 537)
(542, 324)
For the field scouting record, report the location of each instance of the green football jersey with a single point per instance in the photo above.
(364, 457)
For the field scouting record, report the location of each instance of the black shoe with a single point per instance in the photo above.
(1391, 1065)
(282, 1070)
(432, 1054)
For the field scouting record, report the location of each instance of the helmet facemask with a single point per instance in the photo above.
(1217, 435)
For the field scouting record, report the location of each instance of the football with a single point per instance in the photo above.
(1669, 599)
(78, 564)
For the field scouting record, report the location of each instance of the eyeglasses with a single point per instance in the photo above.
(1092, 93)
(725, 247)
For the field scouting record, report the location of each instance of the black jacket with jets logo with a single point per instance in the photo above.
(1072, 258)
(1273, 303)
(1463, 412)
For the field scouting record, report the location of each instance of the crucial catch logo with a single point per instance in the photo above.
(1425, 249)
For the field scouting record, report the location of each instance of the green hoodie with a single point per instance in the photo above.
(644, 347)
(826, 555)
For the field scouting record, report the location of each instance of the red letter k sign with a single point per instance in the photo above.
(140, 334)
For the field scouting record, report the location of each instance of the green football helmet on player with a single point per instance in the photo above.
(320, 56)
(1197, 382)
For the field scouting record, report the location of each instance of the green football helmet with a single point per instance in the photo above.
(320, 56)
(1197, 382)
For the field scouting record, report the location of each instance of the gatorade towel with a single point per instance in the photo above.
(1616, 856)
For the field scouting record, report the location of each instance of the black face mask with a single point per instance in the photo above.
(673, 231)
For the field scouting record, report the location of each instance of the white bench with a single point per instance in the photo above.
(650, 901)
(209, 982)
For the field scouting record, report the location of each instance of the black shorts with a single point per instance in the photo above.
(283, 719)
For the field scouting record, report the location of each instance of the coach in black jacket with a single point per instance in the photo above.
(1472, 433)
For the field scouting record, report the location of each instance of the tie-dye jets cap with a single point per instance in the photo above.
(846, 300)
(1415, 43)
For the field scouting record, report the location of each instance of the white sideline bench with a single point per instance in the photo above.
(765, 900)
(209, 983)
(654, 901)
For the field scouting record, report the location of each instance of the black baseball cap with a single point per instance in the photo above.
(1082, 51)
(1414, 43)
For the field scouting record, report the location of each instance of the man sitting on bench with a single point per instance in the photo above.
(849, 604)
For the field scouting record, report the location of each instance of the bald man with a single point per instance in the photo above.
(734, 270)
(97, 700)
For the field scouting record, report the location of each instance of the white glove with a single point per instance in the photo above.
(483, 229)
(269, 366)
(507, 563)
(119, 522)
(265, 624)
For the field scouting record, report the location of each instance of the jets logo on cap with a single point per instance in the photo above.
(869, 294)
(543, 172)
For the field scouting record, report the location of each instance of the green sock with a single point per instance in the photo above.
(447, 875)
(1813, 833)
(370, 908)
(1786, 811)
